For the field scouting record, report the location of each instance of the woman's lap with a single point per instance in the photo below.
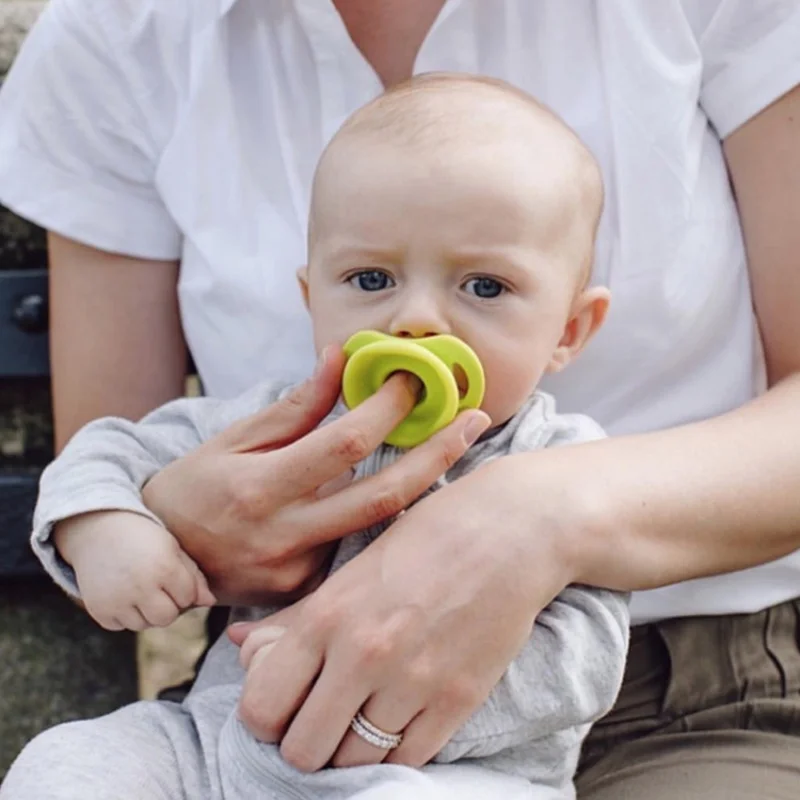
(710, 709)
(732, 765)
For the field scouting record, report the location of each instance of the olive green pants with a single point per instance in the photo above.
(709, 710)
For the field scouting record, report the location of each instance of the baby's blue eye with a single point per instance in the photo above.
(483, 287)
(371, 280)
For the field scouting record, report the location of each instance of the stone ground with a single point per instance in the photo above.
(166, 656)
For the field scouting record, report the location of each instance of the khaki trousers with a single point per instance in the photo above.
(709, 710)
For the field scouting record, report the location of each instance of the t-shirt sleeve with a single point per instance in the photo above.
(751, 56)
(79, 118)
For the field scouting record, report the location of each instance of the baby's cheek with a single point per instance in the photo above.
(507, 390)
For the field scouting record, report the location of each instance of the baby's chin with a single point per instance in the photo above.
(498, 416)
(501, 410)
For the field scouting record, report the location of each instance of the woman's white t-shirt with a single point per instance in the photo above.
(190, 129)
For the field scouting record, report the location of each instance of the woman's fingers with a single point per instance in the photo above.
(335, 485)
(388, 492)
(359, 659)
(335, 698)
(293, 416)
(424, 737)
(392, 710)
(277, 686)
(326, 453)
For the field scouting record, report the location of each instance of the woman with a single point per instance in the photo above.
(146, 136)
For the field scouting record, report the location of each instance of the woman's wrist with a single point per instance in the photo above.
(554, 516)
(576, 515)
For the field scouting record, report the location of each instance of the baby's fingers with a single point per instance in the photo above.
(204, 596)
(159, 610)
(201, 595)
(261, 639)
(131, 619)
(187, 585)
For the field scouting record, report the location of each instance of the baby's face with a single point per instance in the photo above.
(417, 246)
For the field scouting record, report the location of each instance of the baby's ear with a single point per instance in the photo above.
(302, 279)
(588, 312)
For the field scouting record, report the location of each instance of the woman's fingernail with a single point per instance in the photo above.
(475, 426)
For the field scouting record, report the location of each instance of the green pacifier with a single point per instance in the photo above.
(441, 363)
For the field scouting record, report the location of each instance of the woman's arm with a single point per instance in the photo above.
(723, 494)
(116, 345)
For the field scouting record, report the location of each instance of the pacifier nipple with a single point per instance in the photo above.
(451, 375)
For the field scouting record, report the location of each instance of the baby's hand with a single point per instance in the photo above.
(131, 572)
(259, 640)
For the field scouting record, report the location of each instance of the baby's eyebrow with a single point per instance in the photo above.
(344, 251)
(486, 259)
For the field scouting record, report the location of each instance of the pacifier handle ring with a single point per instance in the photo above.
(373, 357)
(372, 365)
(455, 353)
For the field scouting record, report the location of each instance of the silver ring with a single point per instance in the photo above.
(362, 727)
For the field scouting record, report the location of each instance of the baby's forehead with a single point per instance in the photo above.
(457, 118)
(434, 114)
(458, 126)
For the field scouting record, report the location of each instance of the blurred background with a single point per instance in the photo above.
(55, 663)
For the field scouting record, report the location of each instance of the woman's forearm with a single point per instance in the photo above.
(706, 498)
(115, 327)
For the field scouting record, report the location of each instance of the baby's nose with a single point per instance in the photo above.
(418, 326)
(413, 333)
(421, 314)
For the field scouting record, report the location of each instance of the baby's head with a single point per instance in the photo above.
(455, 204)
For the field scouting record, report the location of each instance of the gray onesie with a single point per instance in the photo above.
(523, 742)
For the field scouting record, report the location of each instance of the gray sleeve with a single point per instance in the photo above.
(105, 464)
(566, 677)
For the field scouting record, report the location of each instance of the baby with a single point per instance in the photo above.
(450, 204)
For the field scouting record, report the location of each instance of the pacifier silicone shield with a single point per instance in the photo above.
(373, 357)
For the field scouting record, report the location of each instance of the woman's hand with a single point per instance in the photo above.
(418, 628)
(260, 506)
